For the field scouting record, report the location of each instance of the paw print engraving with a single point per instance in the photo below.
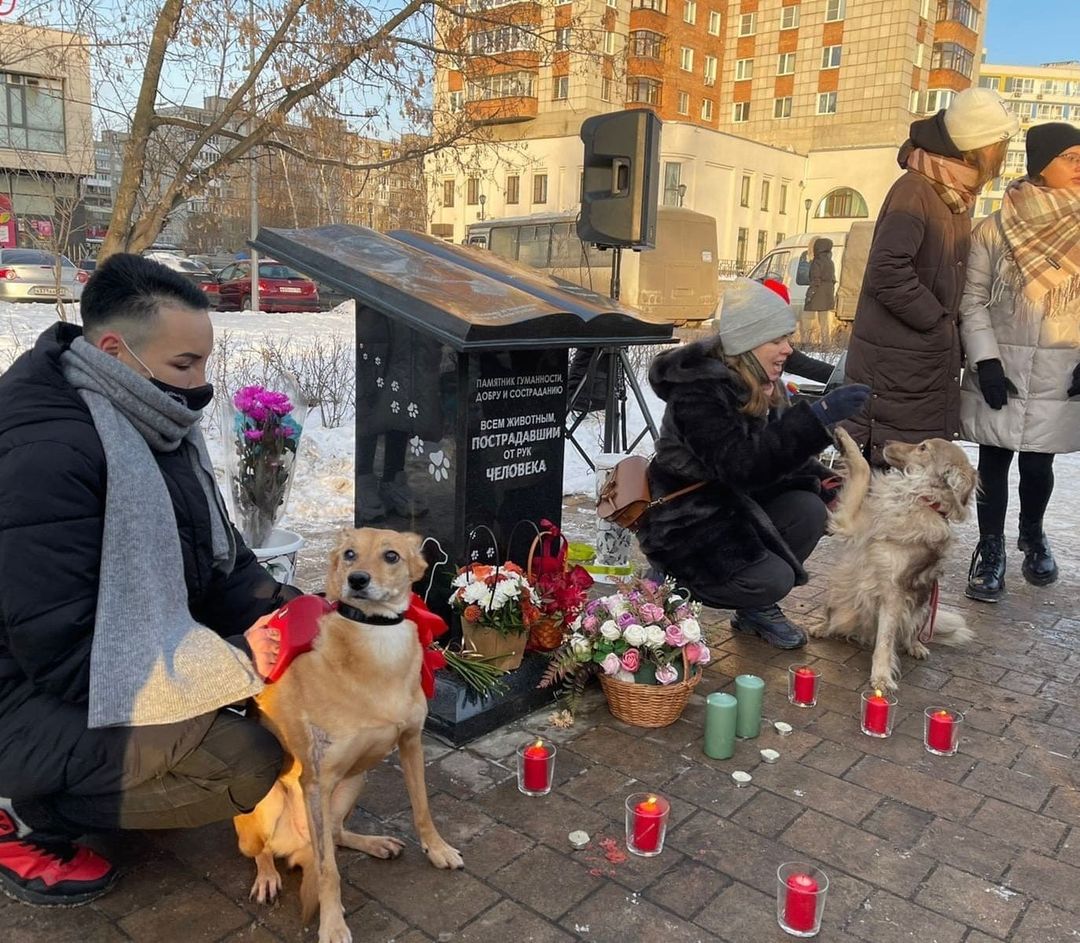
(395, 407)
(413, 410)
(379, 382)
(416, 445)
(378, 361)
(394, 385)
(439, 465)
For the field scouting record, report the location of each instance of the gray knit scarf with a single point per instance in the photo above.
(151, 662)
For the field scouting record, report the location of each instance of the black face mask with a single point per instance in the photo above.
(195, 398)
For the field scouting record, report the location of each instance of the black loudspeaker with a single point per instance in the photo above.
(620, 185)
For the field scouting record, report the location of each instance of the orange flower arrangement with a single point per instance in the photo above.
(497, 597)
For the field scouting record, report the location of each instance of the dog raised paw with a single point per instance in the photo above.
(443, 855)
(917, 650)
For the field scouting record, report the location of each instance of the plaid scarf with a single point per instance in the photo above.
(956, 183)
(1042, 227)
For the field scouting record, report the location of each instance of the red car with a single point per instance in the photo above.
(280, 288)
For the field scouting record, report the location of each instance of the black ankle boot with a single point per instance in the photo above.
(986, 578)
(1039, 567)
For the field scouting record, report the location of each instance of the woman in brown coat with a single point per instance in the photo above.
(905, 343)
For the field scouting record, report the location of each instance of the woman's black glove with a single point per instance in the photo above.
(1074, 390)
(992, 382)
(842, 403)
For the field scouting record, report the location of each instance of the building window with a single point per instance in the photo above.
(660, 6)
(938, 98)
(562, 37)
(789, 17)
(952, 56)
(765, 187)
(706, 109)
(780, 237)
(32, 113)
(1025, 86)
(913, 104)
(744, 69)
(741, 246)
(762, 243)
(782, 107)
(605, 90)
(740, 112)
(714, 23)
(920, 55)
(843, 203)
(826, 103)
(959, 11)
(472, 191)
(830, 57)
(448, 193)
(560, 88)
(710, 70)
(613, 3)
(689, 11)
(924, 11)
(644, 91)
(502, 85)
(744, 191)
(502, 39)
(609, 42)
(513, 189)
(645, 44)
(686, 59)
(672, 180)
(457, 101)
(835, 10)
(785, 63)
(747, 24)
(782, 209)
(539, 194)
(684, 103)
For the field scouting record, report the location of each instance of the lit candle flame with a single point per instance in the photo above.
(877, 692)
(943, 713)
(539, 744)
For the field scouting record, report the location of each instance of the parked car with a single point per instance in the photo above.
(30, 275)
(191, 269)
(88, 265)
(280, 288)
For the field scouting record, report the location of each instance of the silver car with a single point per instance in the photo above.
(31, 275)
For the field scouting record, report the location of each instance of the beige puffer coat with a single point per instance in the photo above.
(1038, 353)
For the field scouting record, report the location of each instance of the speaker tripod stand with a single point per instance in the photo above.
(620, 374)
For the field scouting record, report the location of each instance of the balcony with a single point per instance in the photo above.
(507, 110)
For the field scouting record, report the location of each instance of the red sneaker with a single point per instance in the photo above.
(49, 871)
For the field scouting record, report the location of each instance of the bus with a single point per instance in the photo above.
(677, 281)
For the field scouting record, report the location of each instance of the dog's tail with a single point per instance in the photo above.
(309, 884)
(951, 629)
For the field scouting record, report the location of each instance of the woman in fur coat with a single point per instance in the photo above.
(740, 541)
(1020, 324)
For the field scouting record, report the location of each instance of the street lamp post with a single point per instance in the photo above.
(682, 193)
(806, 222)
(483, 200)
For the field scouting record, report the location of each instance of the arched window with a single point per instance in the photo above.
(842, 203)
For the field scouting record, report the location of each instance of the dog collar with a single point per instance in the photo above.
(935, 506)
(355, 615)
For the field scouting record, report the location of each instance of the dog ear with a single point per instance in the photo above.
(415, 558)
(961, 482)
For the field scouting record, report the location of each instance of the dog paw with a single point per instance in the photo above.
(334, 930)
(443, 855)
(266, 888)
(377, 846)
(883, 682)
(917, 650)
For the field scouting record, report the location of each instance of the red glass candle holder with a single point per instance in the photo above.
(646, 823)
(802, 685)
(941, 730)
(535, 767)
(876, 718)
(800, 898)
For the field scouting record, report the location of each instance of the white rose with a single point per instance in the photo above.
(615, 605)
(634, 635)
(654, 636)
(580, 646)
(623, 675)
(610, 630)
(691, 630)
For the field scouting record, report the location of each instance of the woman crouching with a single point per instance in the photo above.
(739, 541)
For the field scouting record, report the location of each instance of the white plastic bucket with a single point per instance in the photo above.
(613, 542)
(279, 556)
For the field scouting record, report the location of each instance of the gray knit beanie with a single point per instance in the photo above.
(751, 314)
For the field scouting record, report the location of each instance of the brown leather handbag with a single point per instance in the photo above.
(625, 496)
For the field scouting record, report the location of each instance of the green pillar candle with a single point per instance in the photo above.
(720, 711)
(749, 692)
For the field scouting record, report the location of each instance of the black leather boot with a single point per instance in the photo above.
(1040, 568)
(986, 578)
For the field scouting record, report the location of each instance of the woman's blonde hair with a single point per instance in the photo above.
(987, 160)
(747, 368)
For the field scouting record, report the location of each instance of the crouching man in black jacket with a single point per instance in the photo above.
(131, 612)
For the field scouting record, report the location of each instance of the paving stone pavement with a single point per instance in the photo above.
(979, 847)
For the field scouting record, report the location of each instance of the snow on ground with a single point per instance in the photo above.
(323, 490)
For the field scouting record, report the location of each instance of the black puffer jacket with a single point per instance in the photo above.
(52, 503)
(705, 537)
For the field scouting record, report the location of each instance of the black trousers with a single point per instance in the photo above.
(800, 517)
(181, 775)
(1036, 486)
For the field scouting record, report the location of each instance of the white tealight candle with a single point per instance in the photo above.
(741, 778)
(769, 756)
(782, 728)
(578, 839)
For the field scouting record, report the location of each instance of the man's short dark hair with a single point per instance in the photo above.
(129, 288)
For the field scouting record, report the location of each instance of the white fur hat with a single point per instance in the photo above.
(751, 314)
(978, 117)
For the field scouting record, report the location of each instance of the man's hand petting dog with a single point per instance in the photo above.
(265, 644)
